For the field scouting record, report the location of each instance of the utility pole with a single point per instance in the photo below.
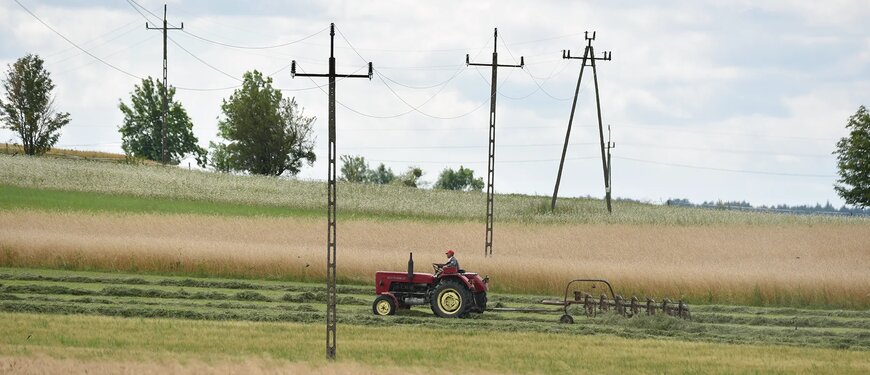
(490, 176)
(331, 196)
(588, 60)
(165, 79)
(609, 184)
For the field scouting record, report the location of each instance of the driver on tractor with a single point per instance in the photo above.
(451, 262)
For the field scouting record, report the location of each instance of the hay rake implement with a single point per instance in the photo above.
(593, 306)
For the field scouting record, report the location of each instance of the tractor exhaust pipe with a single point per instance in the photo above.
(411, 267)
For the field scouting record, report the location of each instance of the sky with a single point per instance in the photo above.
(707, 100)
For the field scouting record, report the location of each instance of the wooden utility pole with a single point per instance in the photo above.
(490, 175)
(331, 193)
(588, 60)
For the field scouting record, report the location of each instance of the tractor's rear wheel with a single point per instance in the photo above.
(384, 305)
(480, 301)
(451, 299)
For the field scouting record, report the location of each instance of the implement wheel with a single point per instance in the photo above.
(384, 305)
(451, 299)
(566, 319)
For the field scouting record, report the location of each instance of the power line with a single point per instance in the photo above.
(680, 130)
(727, 151)
(279, 45)
(462, 49)
(725, 169)
(413, 108)
(412, 129)
(204, 62)
(458, 147)
(90, 41)
(461, 67)
(74, 44)
(478, 162)
(136, 6)
(91, 61)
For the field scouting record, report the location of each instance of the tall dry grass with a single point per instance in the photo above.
(811, 265)
(10, 149)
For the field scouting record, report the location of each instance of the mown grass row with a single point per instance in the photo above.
(34, 342)
(180, 282)
(307, 197)
(658, 327)
(34, 291)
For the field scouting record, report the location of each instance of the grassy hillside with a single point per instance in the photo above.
(372, 201)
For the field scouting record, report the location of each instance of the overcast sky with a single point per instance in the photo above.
(731, 100)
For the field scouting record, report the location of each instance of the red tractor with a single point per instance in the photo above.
(451, 292)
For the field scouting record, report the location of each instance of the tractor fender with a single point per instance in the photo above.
(395, 300)
(465, 281)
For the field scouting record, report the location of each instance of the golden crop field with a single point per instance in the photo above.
(824, 265)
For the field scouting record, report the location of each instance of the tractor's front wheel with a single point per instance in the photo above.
(451, 299)
(384, 305)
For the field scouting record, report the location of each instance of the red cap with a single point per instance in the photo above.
(450, 252)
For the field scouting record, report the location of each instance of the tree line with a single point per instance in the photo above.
(262, 132)
(802, 208)
(355, 169)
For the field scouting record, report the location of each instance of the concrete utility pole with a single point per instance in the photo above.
(165, 87)
(490, 175)
(331, 196)
(588, 60)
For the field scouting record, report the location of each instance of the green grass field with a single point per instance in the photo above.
(12, 197)
(164, 187)
(46, 312)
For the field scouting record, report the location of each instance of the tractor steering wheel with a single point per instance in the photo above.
(437, 266)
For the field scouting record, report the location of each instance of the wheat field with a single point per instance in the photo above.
(824, 265)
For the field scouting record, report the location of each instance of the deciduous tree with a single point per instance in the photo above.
(462, 179)
(29, 108)
(354, 168)
(142, 130)
(853, 160)
(265, 133)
